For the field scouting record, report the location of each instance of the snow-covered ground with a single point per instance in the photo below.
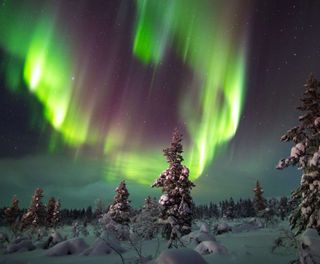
(248, 243)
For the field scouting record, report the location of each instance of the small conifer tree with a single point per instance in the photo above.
(120, 209)
(53, 212)
(144, 224)
(36, 213)
(259, 202)
(12, 213)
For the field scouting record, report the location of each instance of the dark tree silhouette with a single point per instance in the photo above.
(283, 208)
(176, 199)
(12, 213)
(53, 212)
(305, 154)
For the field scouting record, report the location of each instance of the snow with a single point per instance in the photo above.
(179, 256)
(223, 228)
(297, 150)
(69, 247)
(315, 159)
(246, 226)
(209, 247)
(310, 247)
(243, 247)
(20, 246)
(200, 235)
(102, 247)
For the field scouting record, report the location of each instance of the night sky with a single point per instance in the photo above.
(90, 92)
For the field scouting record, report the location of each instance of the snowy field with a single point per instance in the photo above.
(247, 243)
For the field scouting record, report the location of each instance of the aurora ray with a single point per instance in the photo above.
(217, 58)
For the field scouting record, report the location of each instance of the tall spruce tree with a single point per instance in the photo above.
(258, 201)
(176, 199)
(305, 154)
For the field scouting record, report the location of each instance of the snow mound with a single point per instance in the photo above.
(310, 246)
(20, 238)
(68, 247)
(179, 256)
(54, 238)
(250, 225)
(209, 247)
(198, 237)
(204, 228)
(20, 246)
(102, 247)
(222, 228)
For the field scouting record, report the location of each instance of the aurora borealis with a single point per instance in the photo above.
(109, 80)
(48, 68)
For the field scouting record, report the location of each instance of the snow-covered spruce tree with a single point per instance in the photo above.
(258, 201)
(176, 200)
(119, 210)
(305, 154)
(53, 212)
(116, 220)
(12, 214)
(144, 225)
(36, 213)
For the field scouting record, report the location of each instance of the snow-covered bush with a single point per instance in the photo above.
(144, 225)
(114, 229)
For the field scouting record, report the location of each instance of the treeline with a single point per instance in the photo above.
(224, 209)
(244, 208)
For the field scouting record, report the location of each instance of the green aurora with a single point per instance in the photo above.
(200, 33)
